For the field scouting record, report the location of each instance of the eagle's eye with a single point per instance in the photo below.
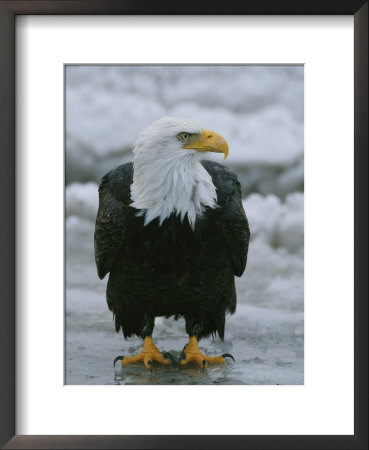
(184, 137)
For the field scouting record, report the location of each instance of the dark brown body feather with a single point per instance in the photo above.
(170, 270)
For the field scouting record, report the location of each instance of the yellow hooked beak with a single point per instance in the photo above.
(208, 141)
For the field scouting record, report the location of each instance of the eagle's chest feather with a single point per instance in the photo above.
(174, 246)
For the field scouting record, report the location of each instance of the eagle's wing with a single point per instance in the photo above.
(112, 217)
(232, 218)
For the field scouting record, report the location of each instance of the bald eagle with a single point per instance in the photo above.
(172, 234)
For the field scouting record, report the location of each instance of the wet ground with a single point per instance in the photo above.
(267, 344)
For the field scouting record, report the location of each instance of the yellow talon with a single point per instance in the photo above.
(149, 353)
(192, 353)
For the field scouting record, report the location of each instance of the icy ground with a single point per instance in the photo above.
(259, 110)
(265, 335)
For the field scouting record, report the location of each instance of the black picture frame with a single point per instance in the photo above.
(8, 12)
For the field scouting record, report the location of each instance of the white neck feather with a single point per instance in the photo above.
(171, 181)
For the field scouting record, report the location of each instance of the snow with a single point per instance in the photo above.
(82, 200)
(259, 109)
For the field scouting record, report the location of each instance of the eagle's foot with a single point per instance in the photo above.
(192, 353)
(148, 355)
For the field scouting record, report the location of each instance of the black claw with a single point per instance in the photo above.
(227, 355)
(203, 365)
(182, 356)
(118, 358)
(151, 364)
(168, 355)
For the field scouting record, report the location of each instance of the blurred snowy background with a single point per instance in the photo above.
(259, 110)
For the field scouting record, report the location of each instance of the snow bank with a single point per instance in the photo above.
(82, 200)
(280, 224)
(274, 277)
(275, 270)
(258, 109)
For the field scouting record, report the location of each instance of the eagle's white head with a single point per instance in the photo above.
(168, 176)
